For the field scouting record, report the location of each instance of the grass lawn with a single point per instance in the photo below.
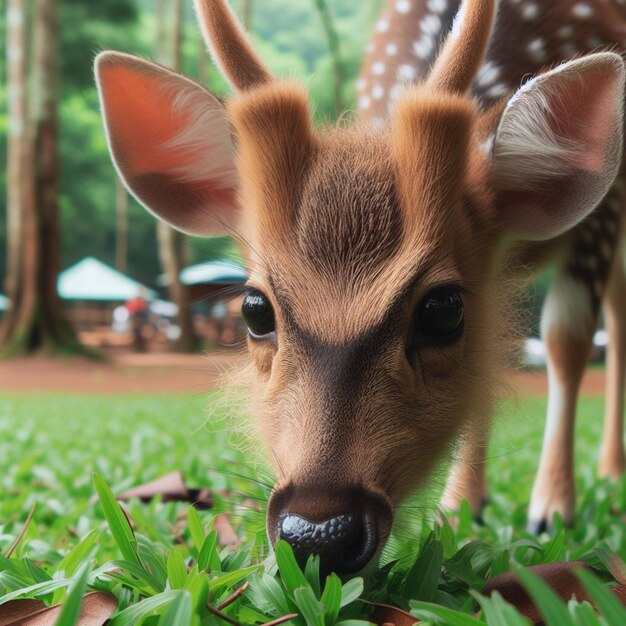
(50, 446)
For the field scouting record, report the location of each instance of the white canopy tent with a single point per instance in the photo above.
(91, 279)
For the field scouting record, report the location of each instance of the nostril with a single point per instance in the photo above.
(345, 543)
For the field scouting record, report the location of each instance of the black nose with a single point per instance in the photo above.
(345, 543)
(343, 528)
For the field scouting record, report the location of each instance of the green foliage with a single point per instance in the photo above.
(288, 35)
(171, 565)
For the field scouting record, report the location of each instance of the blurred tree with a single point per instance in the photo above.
(335, 52)
(246, 13)
(121, 227)
(288, 35)
(34, 321)
(173, 247)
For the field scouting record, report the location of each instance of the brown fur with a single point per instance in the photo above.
(337, 402)
(230, 45)
(463, 53)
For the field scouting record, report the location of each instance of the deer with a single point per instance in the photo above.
(383, 250)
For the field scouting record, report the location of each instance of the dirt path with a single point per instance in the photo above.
(127, 373)
(178, 373)
(535, 382)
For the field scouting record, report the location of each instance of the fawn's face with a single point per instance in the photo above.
(374, 257)
(368, 303)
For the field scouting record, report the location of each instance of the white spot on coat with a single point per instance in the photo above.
(391, 49)
(382, 26)
(537, 50)
(361, 84)
(364, 102)
(403, 6)
(377, 92)
(498, 90)
(437, 6)
(395, 91)
(406, 72)
(431, 25)
(378, 68)
(530, 11)
(488, 74)
(582, 10)
(424, 47)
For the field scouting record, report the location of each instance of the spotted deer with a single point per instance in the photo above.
(380, 251)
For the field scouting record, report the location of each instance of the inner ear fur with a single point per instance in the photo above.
(276, 143)
(430, 136)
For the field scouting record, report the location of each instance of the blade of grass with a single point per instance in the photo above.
(196, 530)
(331, 599)
(118, 524)
(290, 571)
(179, 611)
(176, 570)
(551, 607)
(609, 606)
(310, 607)
(426, 610)
(70, 611)
(19, 538)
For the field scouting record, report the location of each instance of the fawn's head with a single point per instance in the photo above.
(374, 255)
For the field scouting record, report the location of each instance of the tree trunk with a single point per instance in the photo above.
(17, 62)
(35, 321)
(121, 227)
(172, 244)
(203, 63)
(335, 52)
(246, 14)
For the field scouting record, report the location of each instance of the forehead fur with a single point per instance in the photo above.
(349, 217)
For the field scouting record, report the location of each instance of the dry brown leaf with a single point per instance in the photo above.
(226, 535)
(559, 576)
(170, 487)
(98, 606)
(386, 614)
(616, 567)
(16, 609)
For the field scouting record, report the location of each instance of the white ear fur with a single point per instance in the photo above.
(206, 138)
(558, 146)
(170, 142)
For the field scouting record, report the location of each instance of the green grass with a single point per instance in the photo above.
(51, 445)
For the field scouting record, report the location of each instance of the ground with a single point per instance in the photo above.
(139, 417)
(127, 372)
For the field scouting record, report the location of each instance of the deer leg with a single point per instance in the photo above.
(612, 456)
(568, 323)
(468, 477)
(569, 319)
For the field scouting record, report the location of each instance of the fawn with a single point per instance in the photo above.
(380, 252)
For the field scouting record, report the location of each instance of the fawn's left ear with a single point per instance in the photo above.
(558, 146)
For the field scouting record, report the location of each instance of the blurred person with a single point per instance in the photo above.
(138, 310)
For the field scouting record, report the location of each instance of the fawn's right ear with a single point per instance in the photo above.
(171, 144)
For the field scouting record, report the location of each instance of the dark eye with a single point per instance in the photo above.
(258, 314)
(439, 317)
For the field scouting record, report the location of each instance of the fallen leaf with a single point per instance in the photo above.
(385, 614)
(226, 535)
(559, 576)
(16, 609)
(170, 487)
(98, 606)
